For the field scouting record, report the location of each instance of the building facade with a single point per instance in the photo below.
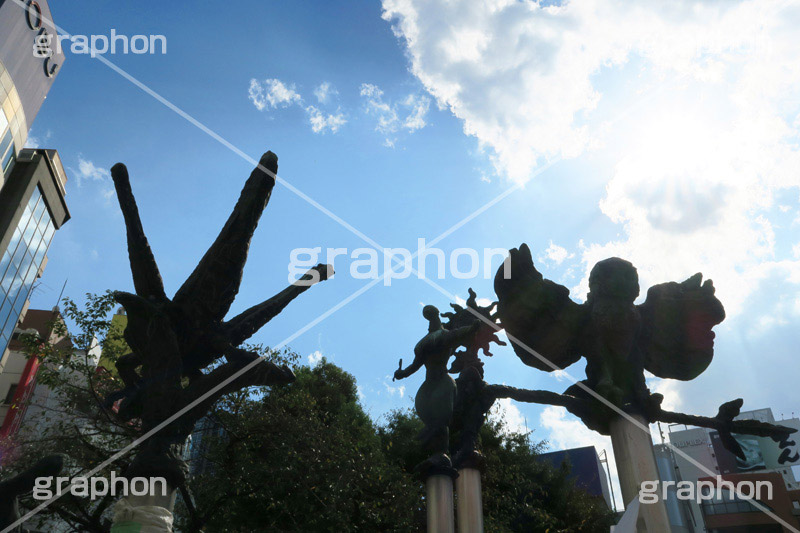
(32, 181)
(18, 378)
(32, 208)
(766, 460)
(586, 470)
(25, 79)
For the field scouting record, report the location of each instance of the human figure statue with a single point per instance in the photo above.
(436, 396)
(12, 489)
(471, 404)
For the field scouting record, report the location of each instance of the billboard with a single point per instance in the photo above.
(761, 453)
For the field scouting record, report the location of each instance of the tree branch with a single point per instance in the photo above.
(264, 373)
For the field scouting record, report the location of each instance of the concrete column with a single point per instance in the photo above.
(633, 451)
(439, 499)
(470, 501)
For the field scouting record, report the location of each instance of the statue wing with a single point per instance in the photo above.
(538, 313)
(676, 338)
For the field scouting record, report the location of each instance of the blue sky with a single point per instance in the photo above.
(665, 135)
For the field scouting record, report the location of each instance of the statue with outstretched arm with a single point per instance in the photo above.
(436, 396)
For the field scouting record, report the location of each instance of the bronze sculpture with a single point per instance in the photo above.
(471, 402)
(435, 399)
(670, 335)
(174, 340)
(439, 396)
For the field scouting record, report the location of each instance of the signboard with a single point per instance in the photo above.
(762, 453)
(782, 453)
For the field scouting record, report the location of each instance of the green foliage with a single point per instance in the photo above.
(520, 493)
(69, 421)
(302, 457)
(305, 457)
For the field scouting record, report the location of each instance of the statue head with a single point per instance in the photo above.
(431, 314)
(613, 278)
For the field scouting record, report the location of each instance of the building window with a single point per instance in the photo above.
(8, 162)
(727, 503)
(3, 122)
(21, 261)
(6, 149)
(10, 394)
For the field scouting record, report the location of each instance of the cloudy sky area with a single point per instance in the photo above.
(663, 134)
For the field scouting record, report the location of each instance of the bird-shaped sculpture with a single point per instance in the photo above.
(669, 334)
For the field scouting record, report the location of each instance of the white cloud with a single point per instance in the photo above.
(88, 171)
(34, 141)
(386, 114)
(399, 390)
(272, 93)
(710, 140)
(407, 114)
(324, 92)
(482, 302)
(670, 388)
(321, 122)
(419, 106)
(556, 254)
(522, 75)
(315, 358)
(504, 409)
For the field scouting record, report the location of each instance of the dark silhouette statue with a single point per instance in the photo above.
(436, 397)
(471, 402)
(174, 340)
(442, 402)
(23, 483)
(670, 335)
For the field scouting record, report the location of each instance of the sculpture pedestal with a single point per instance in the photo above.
(439, 500)
(633, 451)
(470, 501)
(151, 514)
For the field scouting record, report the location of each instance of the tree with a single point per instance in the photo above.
(333, 469)
(70, 421)
(520, 492)
(298, 457)
(302, 457)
